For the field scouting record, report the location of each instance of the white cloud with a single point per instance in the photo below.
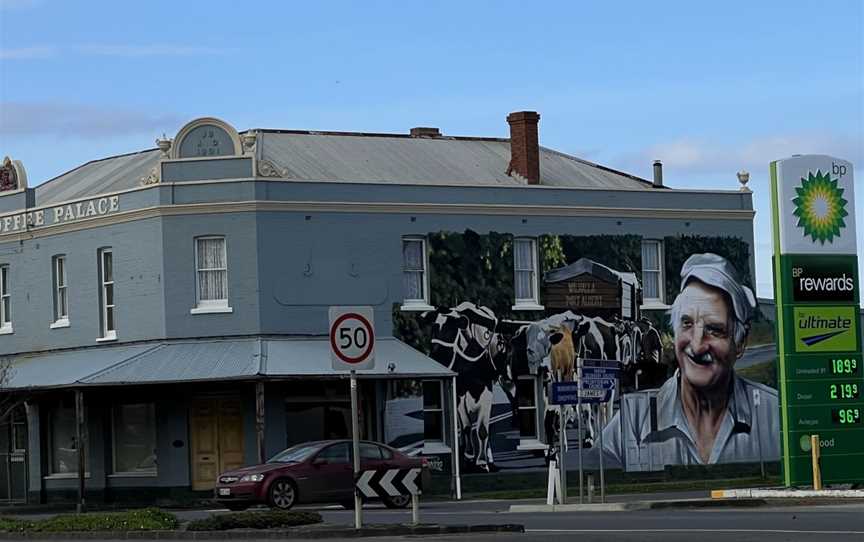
(691, 155)
(27, 53)
(77, 120)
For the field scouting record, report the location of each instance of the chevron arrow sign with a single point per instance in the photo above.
(389, 483)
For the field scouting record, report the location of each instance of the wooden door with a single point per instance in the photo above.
(216, 428)
(230, 434)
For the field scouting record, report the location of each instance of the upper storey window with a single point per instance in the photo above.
(414, 272)
(652, 273)
(106, 294)
(211, 275)
(61, 296)
(525, 274)
(5, 301)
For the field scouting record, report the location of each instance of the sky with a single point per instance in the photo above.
(709, 88)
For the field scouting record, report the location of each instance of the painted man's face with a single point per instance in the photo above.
(704, 343)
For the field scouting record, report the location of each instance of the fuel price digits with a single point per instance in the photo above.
(845, 366)
(846, 416)
(844, 391)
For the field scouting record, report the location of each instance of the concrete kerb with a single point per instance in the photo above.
(635, 505)
(247, 534)
(759, 493)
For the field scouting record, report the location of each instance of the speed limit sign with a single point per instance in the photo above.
(352, 338)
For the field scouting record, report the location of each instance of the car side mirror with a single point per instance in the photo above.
(318, 461)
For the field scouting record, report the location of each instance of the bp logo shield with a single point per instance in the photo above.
(815, 214)
(825, 329)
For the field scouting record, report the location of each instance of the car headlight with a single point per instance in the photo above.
(252, 478)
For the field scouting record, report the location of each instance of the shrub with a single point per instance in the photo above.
(148, 519)
(254, 520)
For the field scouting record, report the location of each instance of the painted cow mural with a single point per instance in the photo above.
(486, 352)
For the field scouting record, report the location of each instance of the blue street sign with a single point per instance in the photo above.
(604, 363)
(599, 372)
(598, 383)
(567, 393)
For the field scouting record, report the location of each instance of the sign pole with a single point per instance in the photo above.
(562, 444)
(602, 478)
(355, 437)
(579, 426)
(456, 457)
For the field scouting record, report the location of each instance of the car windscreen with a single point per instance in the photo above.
(294, 454)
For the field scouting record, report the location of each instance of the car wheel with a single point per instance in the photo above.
(235, 506)
(283, 494)
(401, 501)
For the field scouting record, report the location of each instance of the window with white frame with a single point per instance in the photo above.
(433, 411)
(64, 446)
(526, 399)
(106, 294)
(61, 297)
(652, 271)
(414, 272)
(134, 432)
(5, 300)
(211, 273)
(525, 271)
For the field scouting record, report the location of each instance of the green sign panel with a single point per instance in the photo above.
(819, 343)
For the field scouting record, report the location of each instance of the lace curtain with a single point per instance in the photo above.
(412, 265)
(212, 270)
(650, 270)
(523, 251)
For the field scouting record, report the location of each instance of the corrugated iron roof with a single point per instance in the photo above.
(199, 360)
(347, 157)
(204, 360)
(397, 159)
(99, 177)
(311, 356)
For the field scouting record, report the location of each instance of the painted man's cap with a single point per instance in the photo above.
(719, 272)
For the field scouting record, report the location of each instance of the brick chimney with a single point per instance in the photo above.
(524, 146)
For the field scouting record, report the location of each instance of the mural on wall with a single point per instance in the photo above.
(590, 288)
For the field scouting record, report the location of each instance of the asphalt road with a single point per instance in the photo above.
(763, 524)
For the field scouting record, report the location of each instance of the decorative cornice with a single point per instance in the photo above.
(383, 208)
(266, 168)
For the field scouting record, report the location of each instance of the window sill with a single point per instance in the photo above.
(435, 447)
(65, 476)
(108, 338)
(211, 310)
(134, 475)
(6, 330)
(413, 306)
(60, 324)
(527, 306)
(654, 305)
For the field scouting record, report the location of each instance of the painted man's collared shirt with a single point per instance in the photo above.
(655, 431)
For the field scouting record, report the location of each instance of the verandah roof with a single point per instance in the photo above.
(210, 360)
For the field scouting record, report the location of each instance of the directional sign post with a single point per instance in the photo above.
(352, 347)
(599, 377)
(386, 483)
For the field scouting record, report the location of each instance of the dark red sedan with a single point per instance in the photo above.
(313, 472)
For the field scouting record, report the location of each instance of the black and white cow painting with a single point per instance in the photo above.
(464, 339)
(486, 352)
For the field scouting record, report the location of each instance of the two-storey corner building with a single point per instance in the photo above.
(164, 313)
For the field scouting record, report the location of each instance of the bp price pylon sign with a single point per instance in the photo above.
(818, 332)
